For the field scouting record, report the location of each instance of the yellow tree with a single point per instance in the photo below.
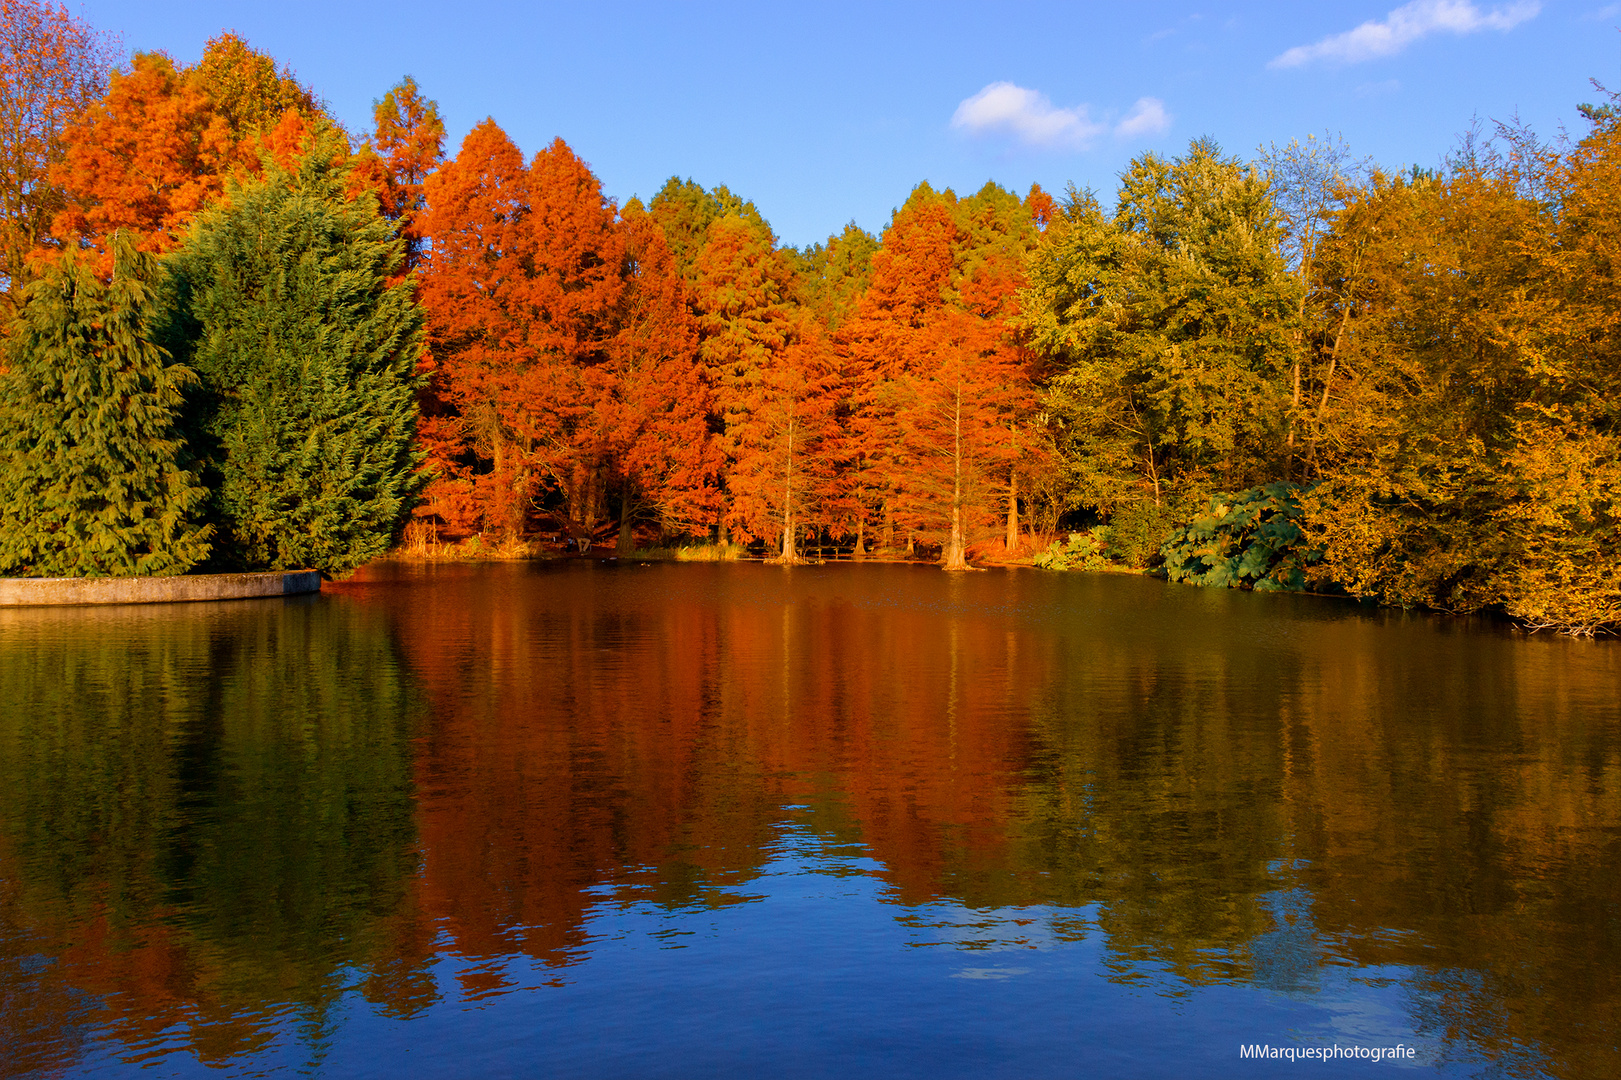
(1468, 438)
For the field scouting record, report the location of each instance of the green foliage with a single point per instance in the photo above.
(1172, 322)
(1078, 551)
(833, 275)
(308, 360)
(1136, 531)
(1250, 539)
(92, 465)
(685, 210)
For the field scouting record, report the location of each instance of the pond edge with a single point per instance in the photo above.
(181, 588)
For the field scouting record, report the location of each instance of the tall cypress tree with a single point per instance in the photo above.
(308, 361)
(93, 469)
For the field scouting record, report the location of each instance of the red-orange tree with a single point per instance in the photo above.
(562, 351)
(939, 386)
(471, 284)
(784, 439)
(407, 145)
(655, 415)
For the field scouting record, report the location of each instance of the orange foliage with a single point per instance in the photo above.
(743, 292)
(144, 158)
(656, 418)
(938, 384)
(783, 440)
(160, 144)
(562, 352)
(470, 288)
(407, 146)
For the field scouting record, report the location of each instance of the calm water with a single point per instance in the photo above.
(688, 820)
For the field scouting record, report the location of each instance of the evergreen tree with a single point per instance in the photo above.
(308, 360)
(91, 460)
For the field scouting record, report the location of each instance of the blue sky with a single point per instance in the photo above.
(823, 113)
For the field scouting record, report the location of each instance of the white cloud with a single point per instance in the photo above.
(1004, 109)
(1405, 25)
(1147, 117)
(1030, 117)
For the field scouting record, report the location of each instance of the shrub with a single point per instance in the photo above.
(1080, 551)
(1250, 539)
(1136, 533)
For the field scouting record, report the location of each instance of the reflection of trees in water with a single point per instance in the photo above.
(205, 812)
(1376, 791)
(601, 733)
(212, 810)
(1235, 795)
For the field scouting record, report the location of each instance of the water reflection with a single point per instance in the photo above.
(658, 796)
(205, 819)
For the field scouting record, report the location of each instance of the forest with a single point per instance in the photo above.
(239, 335)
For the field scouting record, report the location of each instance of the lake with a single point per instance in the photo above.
(670, 820)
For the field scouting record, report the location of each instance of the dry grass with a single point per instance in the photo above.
(694, 553)
(422, 543)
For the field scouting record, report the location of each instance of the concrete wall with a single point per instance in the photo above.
(39, 592)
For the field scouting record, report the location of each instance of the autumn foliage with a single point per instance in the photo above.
(1421, 360)
(563, 358)
(162, 143)
(51, 67)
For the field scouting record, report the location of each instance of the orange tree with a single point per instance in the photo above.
(149, 154)
(562, 354)
(783, 440)
(939, 383)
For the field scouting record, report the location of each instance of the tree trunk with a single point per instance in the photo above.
(955, 555)
(627, 539)
(509, 500)
(790, 552)
(1012, 511)
(860, 550)
(587, 510)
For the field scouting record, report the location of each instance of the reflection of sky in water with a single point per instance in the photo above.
(817, 973)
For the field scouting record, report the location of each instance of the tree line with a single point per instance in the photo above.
(1299, 371)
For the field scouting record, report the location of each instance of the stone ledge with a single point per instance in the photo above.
(59, 592)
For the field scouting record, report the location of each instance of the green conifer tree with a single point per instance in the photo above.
(308, 359)
(92, 464)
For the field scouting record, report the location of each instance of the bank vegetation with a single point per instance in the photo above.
(241, 336)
